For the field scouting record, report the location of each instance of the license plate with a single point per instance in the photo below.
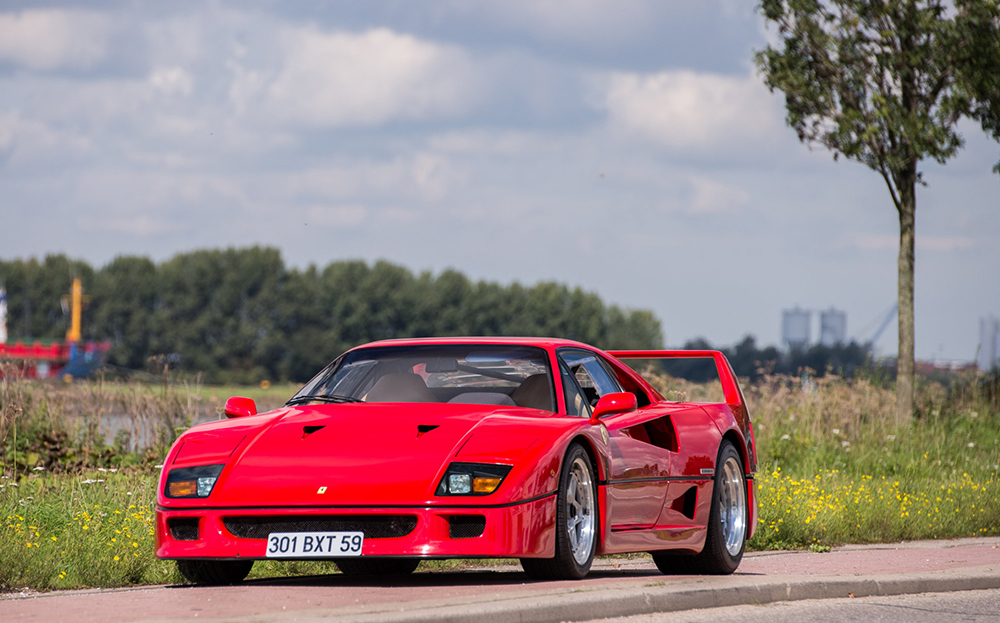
(314, 544)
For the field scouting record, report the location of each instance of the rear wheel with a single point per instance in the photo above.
(215, 572)
(377, 566)
(576, 522)
(727, 523)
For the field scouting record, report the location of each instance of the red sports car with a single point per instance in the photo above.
(546, 450)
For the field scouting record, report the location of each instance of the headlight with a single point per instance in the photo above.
(192, 482)
(472, 479)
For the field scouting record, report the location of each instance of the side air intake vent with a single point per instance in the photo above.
(466, 526)
(685, 504)
(183, 528)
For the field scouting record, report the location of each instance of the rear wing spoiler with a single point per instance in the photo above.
(730, 386)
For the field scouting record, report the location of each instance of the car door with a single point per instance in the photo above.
(639, 468)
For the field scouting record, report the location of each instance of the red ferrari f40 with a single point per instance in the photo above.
(545, 450)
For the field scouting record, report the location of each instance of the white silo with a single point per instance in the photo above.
(832, 327)
(795, 325)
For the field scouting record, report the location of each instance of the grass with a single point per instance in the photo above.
(833, 508)
(90, 529)
(835, 467)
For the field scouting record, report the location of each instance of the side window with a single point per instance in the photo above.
(576, 403)
(590, 374)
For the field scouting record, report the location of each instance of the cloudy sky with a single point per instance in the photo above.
(624, 146)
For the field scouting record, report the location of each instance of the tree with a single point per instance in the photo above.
(884, 83)
(123, 299)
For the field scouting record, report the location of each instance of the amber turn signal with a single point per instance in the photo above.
(485, 485)
(183, 488)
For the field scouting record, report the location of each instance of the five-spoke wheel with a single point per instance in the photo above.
(727, 523)
(576, 522)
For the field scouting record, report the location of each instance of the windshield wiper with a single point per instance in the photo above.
(334, 398)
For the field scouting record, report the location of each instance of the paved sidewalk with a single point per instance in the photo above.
(616, 587)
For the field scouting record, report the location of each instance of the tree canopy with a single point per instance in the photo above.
(242, 315)
(885, 83)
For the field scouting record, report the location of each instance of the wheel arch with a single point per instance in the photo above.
(589, 445)
(734, 438)
(600, 473)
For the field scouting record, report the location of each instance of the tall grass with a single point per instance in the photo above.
(77, 498)
(89, 529)
(837, 466)
(105, 423)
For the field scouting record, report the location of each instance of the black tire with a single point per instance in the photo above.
(577, 522)
(726, 537)
(378, 566)
(215, 572)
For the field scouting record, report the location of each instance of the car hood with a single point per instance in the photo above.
(351, 454)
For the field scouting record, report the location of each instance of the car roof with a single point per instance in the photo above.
(543, 342)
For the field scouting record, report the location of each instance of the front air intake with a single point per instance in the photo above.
(373, 526)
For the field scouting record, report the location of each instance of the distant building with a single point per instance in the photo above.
(795, 327)
(832, 327)
(989, 343)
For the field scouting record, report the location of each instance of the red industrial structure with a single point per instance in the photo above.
(52, 358)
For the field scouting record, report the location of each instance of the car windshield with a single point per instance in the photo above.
(470, 373)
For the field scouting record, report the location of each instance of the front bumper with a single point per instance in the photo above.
(523, 530)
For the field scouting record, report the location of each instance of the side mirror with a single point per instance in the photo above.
(240, 407)
(609, 404)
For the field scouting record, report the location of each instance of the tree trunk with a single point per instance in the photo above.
(905, 363)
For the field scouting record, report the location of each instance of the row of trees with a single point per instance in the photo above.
(241, 315)
(752, 361)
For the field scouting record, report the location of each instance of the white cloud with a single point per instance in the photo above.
(142, 225)
(8, 129)
(51, 39)
(713, 197)
(172, 81)
(580, 21)
(945, 243)
(29, 139)
(336, 215)
(421, 175)
(691, 110)
(433, 175)
(490, 142)
(367, 79)
(246, 86)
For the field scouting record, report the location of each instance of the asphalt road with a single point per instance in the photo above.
(975, 606)
(615, 588)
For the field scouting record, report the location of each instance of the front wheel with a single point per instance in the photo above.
(378, 566)
(727, 523)
(576, 522)
(215, 572)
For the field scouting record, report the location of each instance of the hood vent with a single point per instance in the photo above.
(309, 430)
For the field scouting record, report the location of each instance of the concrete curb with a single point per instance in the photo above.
(686, 595)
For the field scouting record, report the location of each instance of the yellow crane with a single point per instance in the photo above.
(76, 301)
